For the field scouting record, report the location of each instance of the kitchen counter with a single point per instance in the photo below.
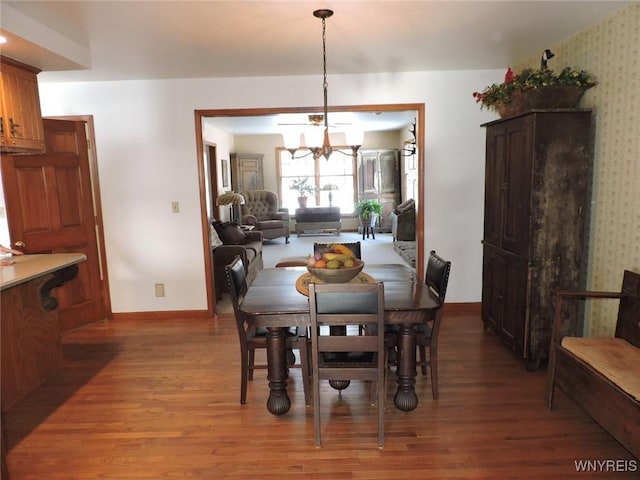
(31, 344)
(23, 268)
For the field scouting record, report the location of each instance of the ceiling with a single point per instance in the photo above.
(125, 40)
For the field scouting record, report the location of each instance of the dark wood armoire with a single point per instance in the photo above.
(537, 197)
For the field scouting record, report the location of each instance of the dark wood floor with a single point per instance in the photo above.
(159, 400)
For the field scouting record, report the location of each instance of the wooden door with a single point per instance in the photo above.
(50, 209)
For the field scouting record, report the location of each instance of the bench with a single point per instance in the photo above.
(600, 374)
(318, 219)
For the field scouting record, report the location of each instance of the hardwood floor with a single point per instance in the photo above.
(160, 400)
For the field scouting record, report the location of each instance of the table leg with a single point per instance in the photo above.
(278, 402)
(405, 398)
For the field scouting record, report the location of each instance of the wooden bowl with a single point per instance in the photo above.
(338, 275)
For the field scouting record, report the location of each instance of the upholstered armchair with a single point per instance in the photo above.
(403, 221)
(261, 209)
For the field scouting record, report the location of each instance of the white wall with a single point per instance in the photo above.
(147, 158)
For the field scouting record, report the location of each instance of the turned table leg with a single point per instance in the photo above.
(278, 402)
(405, 398)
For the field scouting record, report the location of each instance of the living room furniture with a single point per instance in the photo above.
(379, 178)
(403, 221)
(315, 220)
(600, 374)
(538, 176)
(347, 357)
(253, 338)
(261, 210)
(274, 302)
(247, 246)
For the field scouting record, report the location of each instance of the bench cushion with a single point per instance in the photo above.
(614, 358)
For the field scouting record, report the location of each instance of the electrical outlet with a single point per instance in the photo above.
(159, 289)
(175, 206)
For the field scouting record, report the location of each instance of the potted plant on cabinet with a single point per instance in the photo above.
(535, 89)
(368, 211)
(303, 187)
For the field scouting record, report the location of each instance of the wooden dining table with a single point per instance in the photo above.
(273, 301)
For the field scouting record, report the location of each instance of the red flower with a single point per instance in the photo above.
(509, 76)
(479, 96)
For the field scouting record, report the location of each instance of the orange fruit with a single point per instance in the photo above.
(320, 264)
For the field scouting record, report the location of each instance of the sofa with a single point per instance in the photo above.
(318, 219)
(228, 240)
(403, 231)
(261, 210)
(403, 221)
(600, 374)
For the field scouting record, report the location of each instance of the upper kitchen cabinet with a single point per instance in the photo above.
(21, 129)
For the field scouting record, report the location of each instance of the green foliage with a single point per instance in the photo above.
(366, 207)
(530, 78)
(302, 186)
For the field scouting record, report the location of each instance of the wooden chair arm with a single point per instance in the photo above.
(559, 330)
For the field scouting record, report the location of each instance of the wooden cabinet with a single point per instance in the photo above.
(246, 171)
(21, 129)
(537, 184)
(379, 178)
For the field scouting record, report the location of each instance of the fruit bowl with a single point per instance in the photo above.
(337, 275)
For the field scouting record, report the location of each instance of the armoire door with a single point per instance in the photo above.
(246, 171)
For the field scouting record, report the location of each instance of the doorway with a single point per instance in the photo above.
(201, 115)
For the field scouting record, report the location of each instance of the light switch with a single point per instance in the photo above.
(175, 206)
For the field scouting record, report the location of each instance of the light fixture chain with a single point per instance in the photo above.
(325, 84)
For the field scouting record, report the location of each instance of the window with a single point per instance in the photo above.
(337, 173)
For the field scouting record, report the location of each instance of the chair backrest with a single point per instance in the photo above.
(237, 282)
(437, 275)
(260, 203)
(343, 304)
(353, 246)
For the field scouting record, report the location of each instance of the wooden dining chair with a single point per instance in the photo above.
(437, 279)
(253, 338)
(427, 334)
(347, 357)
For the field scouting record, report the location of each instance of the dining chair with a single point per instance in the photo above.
(253, 338)
(437, 279)
(347, 357)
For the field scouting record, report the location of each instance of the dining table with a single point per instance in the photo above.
(274, 301)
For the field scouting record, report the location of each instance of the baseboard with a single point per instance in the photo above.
(164, 315)
(467, 308)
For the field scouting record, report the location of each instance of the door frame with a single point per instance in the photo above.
(97, 204)
(200, 115)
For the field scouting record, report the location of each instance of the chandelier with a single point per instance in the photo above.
(317, 135)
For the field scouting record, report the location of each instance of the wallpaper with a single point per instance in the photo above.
(610, 50)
